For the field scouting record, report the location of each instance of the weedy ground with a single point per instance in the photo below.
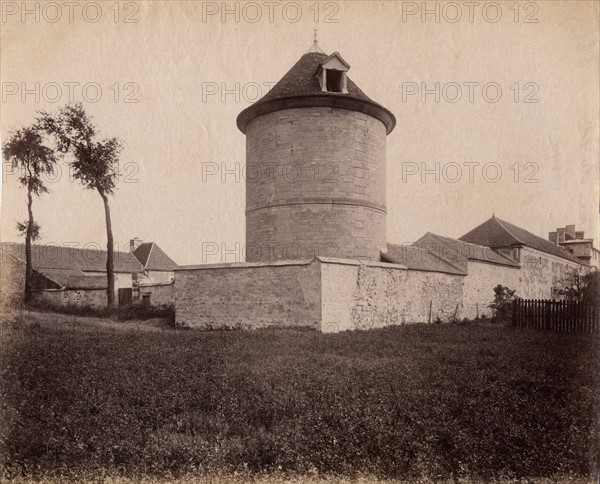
(85, 399)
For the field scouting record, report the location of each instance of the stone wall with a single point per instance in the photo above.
(160, 294)
(341, 294)
(328, 294)
(370, 295)
(123, 280)
(156, 277)
(12, 286)
(478, 290)
(248, 295)
(76, 297)
(540, 272)
(315, 185)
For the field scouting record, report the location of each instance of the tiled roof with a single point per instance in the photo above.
(58, 258)
(458, 252)
(142, 252)
(300, 87)
(153, 258)
(300, 80)
(62, 276)
(499, 233)
(74, 279)
(417, 258)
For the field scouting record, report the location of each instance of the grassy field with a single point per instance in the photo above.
(91, 399)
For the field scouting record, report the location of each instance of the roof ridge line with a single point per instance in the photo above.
(499, 222)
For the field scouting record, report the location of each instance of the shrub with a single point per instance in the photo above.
(135, 310)
(142, 312)
(581, 284)
(502, 305)
(73, 309)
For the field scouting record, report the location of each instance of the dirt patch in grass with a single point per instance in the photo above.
(89, 397)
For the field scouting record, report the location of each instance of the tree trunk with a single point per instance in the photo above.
(110, 276)
(28, 237)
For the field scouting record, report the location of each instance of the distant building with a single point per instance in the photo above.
(158, 266)
(543, 264)
(575, 242)
(154, 285)
(68, 275)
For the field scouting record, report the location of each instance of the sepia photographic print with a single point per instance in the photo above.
(300, 241)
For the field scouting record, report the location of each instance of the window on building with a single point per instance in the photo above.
(332, 74)
(335, 80)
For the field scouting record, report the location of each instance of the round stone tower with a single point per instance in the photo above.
(315, 166)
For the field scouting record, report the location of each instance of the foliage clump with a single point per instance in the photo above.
(580, 285)
(133, 311)
(502, 306)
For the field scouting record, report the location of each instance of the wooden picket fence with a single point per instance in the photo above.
(564, 316)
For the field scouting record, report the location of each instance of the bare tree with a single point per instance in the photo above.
(95, 164)
(26, 151)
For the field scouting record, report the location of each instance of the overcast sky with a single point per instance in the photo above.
(517, 111)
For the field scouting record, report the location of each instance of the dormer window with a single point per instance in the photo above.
(332, 74)
(335, 80)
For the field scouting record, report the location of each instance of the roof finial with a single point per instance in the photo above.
(315, 45)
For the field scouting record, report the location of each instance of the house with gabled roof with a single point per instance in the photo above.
(154, 285)
(71, 275)
(543, 264)
(509, 239)
(157, 265)
(67, 274)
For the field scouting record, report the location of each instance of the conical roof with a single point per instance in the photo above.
(300, 80)
(300, 87)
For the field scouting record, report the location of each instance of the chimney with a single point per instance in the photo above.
(552, 237)
(135, 243)
(561, 235)
(579, 235)
(570, 232)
